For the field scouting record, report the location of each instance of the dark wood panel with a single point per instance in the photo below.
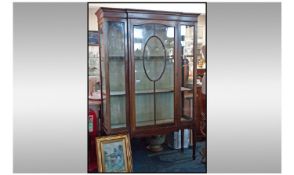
(111, 13)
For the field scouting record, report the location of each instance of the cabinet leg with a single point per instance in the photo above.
(182, 140)
(194, 143)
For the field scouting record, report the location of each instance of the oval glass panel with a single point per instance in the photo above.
(154, 58)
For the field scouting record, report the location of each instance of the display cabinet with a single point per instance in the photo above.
(148, 71)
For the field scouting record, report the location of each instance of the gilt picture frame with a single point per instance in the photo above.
(114, 153)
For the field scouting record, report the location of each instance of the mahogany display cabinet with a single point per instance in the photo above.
(148, 72)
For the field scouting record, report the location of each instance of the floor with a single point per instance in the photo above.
(169, 160)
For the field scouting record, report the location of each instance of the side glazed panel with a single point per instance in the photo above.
(116, 63)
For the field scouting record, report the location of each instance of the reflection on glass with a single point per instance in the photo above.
(187, 55)
(137, 46)
(170, 32)
(116, 61)
(154, 74)
(138, 33)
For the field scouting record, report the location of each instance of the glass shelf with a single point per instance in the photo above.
(151, 122)
(114, 93)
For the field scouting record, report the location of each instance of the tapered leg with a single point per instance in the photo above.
(194, 143)
(182, 140)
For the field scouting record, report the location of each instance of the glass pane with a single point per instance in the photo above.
(154, 85)
(144, 109)
(116, 63)
(103, 87)
(187, 55)
(103, 91)
(164, 107)
(165, 85)
(154, 58)
(118, 111)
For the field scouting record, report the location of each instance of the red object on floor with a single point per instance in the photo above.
(92, 130)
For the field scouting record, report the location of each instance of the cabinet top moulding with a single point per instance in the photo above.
(105, 12)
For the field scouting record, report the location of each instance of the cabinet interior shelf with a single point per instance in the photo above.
(146, 123)
(159, 57)
(151, 122)
(113, 93)
(122, 58)
(149, 91)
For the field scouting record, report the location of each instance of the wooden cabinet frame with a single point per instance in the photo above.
(131, 17)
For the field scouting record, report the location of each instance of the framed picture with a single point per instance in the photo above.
(93, 38)
(114, 153)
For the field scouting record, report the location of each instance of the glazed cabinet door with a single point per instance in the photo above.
(153, 72)
(113, 68)
(188, 71)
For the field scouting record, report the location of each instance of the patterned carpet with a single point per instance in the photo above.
(168, 160)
